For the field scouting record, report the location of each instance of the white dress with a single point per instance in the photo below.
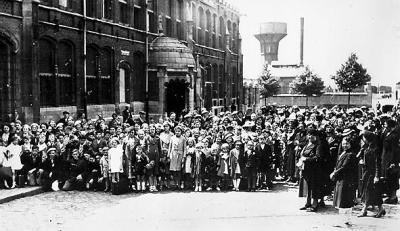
(14, 157)
(115, 159)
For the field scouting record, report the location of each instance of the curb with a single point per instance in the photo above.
(21, 195)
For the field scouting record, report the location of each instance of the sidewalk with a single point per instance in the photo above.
(7, 195)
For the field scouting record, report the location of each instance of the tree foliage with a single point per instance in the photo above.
(269, 85)
(308, 83)
(351, 75)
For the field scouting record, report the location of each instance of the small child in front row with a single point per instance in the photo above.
(104, 168)
(140, 168)
(223, 171)
(199, 167)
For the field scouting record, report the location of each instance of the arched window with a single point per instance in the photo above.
(200, 26)
(65, 60)
(46, 73)
(229, 27)
(234, 37)
(221, 33)
(194, 22)
(208, 29)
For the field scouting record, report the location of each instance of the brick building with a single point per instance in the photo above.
(90, 56)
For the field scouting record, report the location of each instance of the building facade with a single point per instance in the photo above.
(96, 56)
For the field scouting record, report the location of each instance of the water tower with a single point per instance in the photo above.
(270, 34)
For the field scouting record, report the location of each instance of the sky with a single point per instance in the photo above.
(333, 30)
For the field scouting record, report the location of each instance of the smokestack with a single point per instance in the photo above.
(301, 40)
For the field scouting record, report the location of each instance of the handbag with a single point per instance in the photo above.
(5, 172)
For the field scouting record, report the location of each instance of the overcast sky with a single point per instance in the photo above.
(333, 29)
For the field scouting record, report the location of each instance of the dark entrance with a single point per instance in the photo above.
(4, 79)
(176, 96)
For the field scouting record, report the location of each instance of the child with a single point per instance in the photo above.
(251, 166)
(188, 165)
(223, 170)
(198, 167)
(211, 169)
(104, 168)
(115, 154)
(235, 172)
(176, 152)
(13, 154)
(141, 161)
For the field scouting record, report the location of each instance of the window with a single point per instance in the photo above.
(221, 88)
(152, 27)
(91, 75)
(107, 9)
(65, 73)
(170, 8)
(123, 11)
(168, 27)
(180, 10)
(90, 8)
(179, 31)
(137, 16)
(105, 78)
(215, 81)
(46, 73)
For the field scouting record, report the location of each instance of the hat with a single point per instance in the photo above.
(369, 136)
(178, 128)
(203, 111)
(347, 132)
(50, 150)
(187, 116)
(114, 139)
(248, 124)
(229, 134)
(234, 112)
(142, 112)
(166, 124)
(65, 113)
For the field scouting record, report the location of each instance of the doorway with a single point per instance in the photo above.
(176, 96)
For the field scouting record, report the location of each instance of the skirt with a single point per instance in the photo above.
(344, 194)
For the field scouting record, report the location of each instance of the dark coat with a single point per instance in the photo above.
(264, 156)
(251, 159)
(371, 193)
(345, 175)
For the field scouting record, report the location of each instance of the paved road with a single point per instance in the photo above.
(272, 210)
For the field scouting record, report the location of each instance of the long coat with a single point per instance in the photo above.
(345, 175)
(311, 171)
(371, 193)
(264, 156)
(176, 152)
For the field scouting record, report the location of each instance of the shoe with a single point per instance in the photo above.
(208, 189)
(155, 189)
(13, 186)
(196, 189)
(312, 209)
(391, 201)
(106, 190)
(200, 189)
(380, 213)
(363, 214)
(218, 189)
(305, 207)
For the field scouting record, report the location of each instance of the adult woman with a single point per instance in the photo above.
(371, 186)
(345, 176)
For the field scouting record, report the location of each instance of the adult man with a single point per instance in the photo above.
(64, 120)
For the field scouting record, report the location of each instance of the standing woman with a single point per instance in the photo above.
(176, 152)
(14, 151)
(345, 176)
(371, 186)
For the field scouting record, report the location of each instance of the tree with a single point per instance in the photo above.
(351, 75)
(308, 84)
(269, 85)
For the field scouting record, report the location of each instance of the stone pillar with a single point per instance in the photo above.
(190, 79)
(162, 79)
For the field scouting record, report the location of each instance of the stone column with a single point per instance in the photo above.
(190, 79)
(162, 79)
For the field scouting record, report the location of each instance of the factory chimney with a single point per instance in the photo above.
(301, 40)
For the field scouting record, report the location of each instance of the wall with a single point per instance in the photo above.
(328, 99)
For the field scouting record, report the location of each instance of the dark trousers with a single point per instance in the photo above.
(251, 178)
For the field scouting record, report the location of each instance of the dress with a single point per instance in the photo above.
(176, 152)
(223, 164)
(199, 164)
(105, 166)
(115, 159)
(14, 157)
(234, 156)
(190, 158)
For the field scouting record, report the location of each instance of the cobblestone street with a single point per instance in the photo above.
(180, 211)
